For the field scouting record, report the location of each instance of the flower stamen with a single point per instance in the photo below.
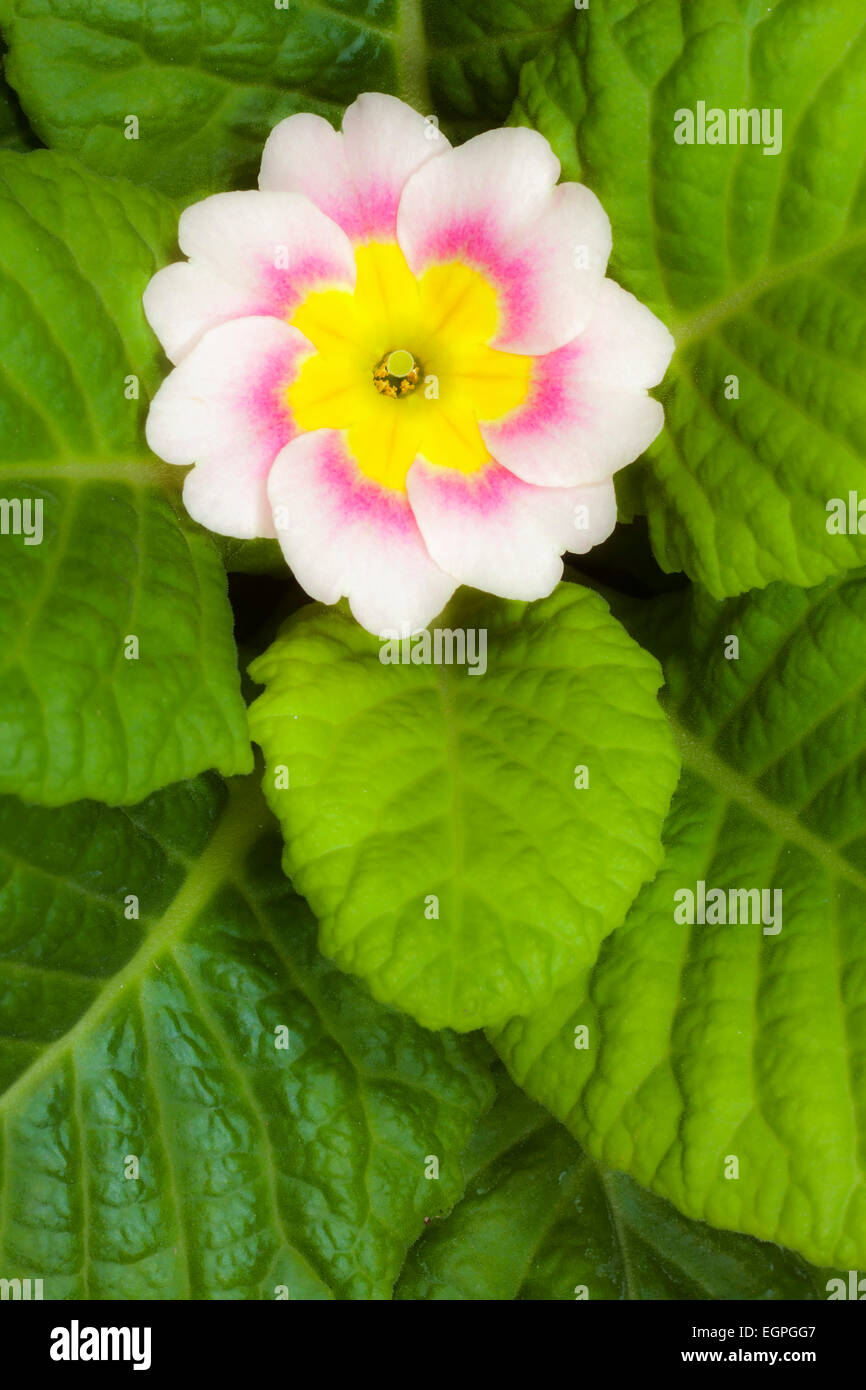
(397, 373)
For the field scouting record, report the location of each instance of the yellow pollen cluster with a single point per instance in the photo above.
(396, 374)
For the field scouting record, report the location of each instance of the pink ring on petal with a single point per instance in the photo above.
(343, 534)
(357, 176)
(493, 204)
(225, 409)
(494, 532)
(250, 254)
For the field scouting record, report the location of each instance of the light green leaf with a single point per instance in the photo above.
(726, 1064)
(757, 262)
(541, 1221)
(207, 82)
(431, 815)
(160, 1040)
(94, 548)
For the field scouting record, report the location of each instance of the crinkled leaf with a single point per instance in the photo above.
(757, 262)
(207, 82)
(76, 252)
(15, 134)
(540, 1220)
(431, 815)
(83, 712)
(475, 49)
(712, 1043)
(280, 1119)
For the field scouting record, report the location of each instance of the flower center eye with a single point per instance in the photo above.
(396, 374)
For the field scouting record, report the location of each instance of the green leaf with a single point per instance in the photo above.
(431, 815)
(475, 50)
(757, 263)
(76, 252)
(83, 711)
(15, 134)
(93, 550)
(260, 1165)
(710, 1043)
(207, 82)
(541, 1221)
(260, 556)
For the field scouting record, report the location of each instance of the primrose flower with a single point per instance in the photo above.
(405, 362)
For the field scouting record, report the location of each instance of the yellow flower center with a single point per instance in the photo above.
(396, 401)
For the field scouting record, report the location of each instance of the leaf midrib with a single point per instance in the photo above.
(699, 325)
(138, 473)
(237, 830)
(700, 758)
